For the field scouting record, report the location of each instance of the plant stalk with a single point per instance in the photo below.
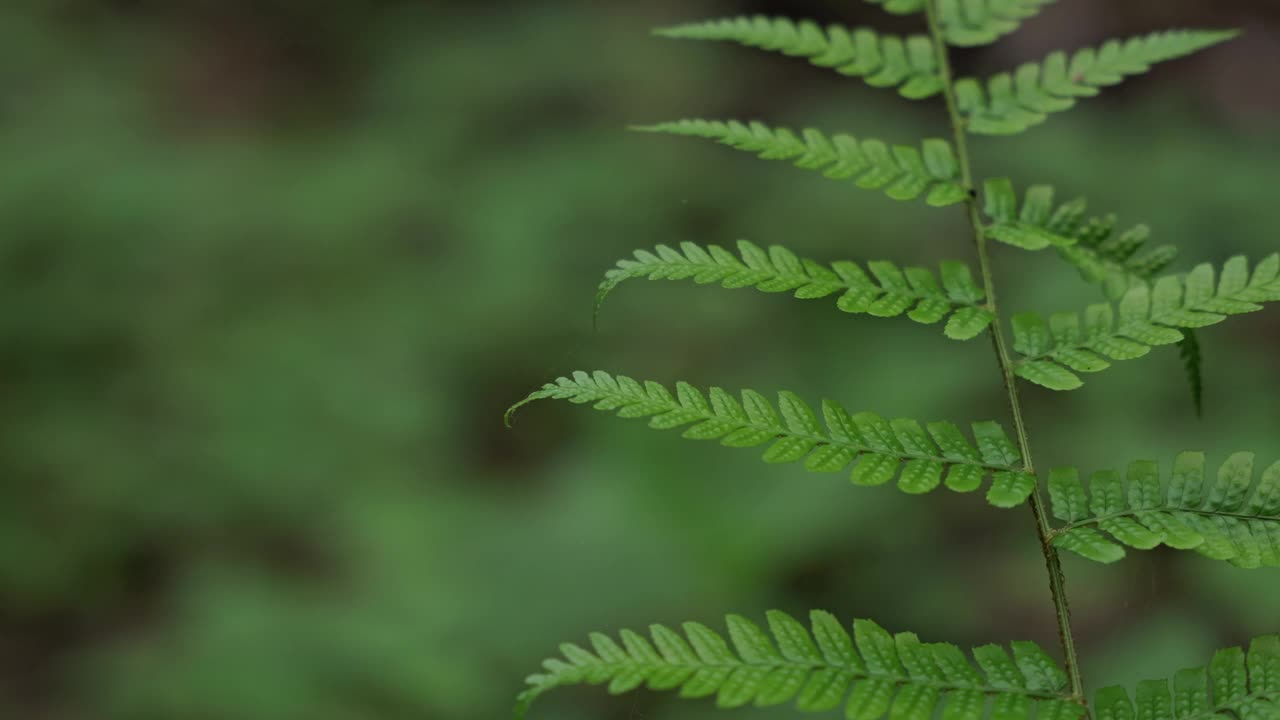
(1053, 562)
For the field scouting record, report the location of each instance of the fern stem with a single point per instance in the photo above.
(1053, 562)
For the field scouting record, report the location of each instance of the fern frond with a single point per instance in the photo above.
(887, 291)
(1114, 261)
(1118, 261)
(886, 61)
(1192, 362)
(901, 7)
(967, 23)
(1235, 684)
(1013, 102)
(902, 172)
(1027, 227)
(1229, 517)
(871, 675)
(883, 449)
(1146, 317)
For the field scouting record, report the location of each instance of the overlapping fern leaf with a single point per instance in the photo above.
(870, 675)
(967, 23)
(1235, 684)
(1010, 103)
(1192, 357)
(886, 291)
(1117, 261)
(887, 61)
(1054, 351)
(1029, 226)
(1226, 517)
(901, 7)
(880, 450)
(901, 171)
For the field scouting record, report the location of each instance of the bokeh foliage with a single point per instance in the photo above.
(270, 272)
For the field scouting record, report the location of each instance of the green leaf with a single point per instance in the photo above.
(874, 674)
(901, 7)
(968, 323)
(1028, 228)
(1192, 361)
(1243, 686)
(1146, 317)
(877, 449)
(906, 63)
(1011, 489)
(1021, 235)
(888, 291)
(1230, 517)
(1117, 263)
(1048, 375)
(899, 171)
(1010, 103)
(969, 23)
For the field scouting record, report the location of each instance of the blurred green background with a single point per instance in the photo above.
(271, 272)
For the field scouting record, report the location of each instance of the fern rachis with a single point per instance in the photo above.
(1232, 515)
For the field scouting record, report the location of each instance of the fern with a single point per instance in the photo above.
(1234, 685)
(888, 291)
(887, 61)
(1229, 517)
(880, 447)
(820, 668)
(1232, 517)
(1192, 362)
(1115, 261)
(902, 172)
(1055, 350)
(1028, 228)
(901, 7)
(1014, 102)
(966, 23)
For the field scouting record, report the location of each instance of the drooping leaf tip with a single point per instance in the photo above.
(676, 32)
(509, 415)
(525, 700)
(606, 287)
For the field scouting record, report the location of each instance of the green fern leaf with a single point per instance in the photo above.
(1235, 684)
(1013, 102)
(888, 61)
(1146, 317)
(921, 458)
(1116, 261)
(902, 172)
(901, 7)
(872, 674)
(1192, 363)
(887, 291)
(1025, 228)
(968, 23)
(1228, 517)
